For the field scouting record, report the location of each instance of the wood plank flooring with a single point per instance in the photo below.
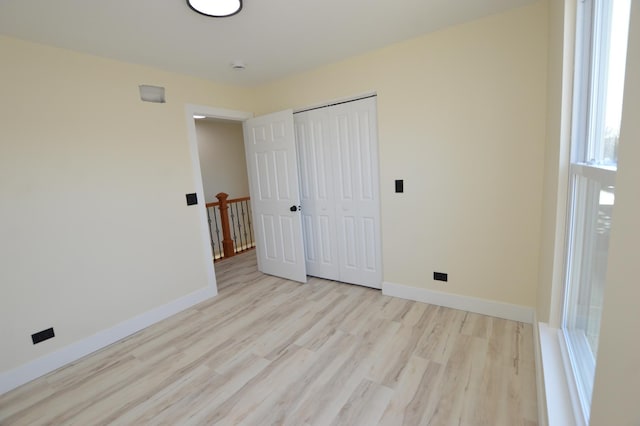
(268, 351)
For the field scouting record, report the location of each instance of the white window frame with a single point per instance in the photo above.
(586, 160)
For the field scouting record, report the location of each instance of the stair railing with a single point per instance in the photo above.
(230, 226)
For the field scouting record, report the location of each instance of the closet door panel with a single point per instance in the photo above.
(347, 236)
(317, 200)
(357, 193)
(341, 146)
(338, 162)
(365, 156)
(369, 262)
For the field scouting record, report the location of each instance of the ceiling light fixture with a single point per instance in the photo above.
(216, 8)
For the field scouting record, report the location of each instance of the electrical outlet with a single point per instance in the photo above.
(43, 335)
(440, 276)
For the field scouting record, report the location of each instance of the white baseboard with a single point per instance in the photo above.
(25, 373)
(456, 301)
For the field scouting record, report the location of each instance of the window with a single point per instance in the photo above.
(602, 27)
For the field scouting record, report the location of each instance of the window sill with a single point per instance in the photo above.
(559, 403)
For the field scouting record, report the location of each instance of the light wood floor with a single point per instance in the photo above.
(269, 351)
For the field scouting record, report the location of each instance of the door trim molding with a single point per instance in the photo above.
(221, 113)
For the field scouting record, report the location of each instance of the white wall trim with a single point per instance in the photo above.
(221, 113)
(564, 157)
(456, 301)
(558, 400)
(540, 390)
(570, 379)
(25, 373)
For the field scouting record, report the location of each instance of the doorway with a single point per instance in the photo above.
(218, 113)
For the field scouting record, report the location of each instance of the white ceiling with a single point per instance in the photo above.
(274, 38)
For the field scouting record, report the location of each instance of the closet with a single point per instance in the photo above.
(337, 150)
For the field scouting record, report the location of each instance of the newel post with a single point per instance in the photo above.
(227, 242)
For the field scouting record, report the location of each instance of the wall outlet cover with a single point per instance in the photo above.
(192, 199)
(43, 335)
(440, 276)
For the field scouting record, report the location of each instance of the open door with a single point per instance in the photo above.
(275, 198)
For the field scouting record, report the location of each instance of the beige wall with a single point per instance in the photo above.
(461, 116)
(222, 161)
(94, 227)
(615, 394)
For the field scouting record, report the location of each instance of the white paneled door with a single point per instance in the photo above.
(273, 177)
(317, 193)
(340, 194)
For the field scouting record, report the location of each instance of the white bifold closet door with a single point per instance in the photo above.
(337, 150)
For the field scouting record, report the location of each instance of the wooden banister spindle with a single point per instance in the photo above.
(227, 242)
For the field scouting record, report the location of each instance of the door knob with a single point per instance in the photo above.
(294, 208)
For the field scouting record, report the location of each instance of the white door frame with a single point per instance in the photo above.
(212, 112)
